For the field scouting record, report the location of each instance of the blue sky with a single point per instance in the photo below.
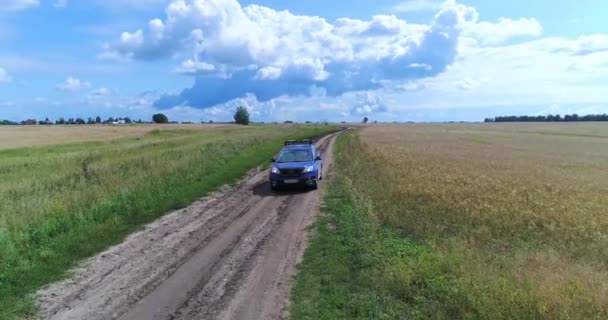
(389, 60)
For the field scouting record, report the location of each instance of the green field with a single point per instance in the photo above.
(462, 221)
(62, 203)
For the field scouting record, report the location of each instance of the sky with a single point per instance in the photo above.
(388, 60)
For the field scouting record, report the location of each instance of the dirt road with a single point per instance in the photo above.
(230, 255)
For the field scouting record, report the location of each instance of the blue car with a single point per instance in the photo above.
(297, 164)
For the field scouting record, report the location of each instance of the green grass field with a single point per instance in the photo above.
(62, 203)
(462, 221)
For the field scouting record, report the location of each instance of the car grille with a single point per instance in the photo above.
(291, 172)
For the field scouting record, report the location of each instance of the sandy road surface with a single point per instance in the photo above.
(230, 255)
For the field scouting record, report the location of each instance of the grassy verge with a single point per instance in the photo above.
(61, 204)
(410, 233)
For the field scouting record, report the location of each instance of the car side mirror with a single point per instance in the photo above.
(318, 158)
(273, 160)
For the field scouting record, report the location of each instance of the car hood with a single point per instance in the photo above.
(292, 165)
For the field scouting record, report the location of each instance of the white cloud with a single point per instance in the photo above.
(411, 86)
(269, 73)
(101, 92)
(521, 76)
(269, 60)
(4, 76)
(416, 5)
(73, 84)
(492, 33)
(192, 67)
(17, 5)
(469, 84)
(421, 66)
(585, 45)
(255, 49)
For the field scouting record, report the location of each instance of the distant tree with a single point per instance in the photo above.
(80, 121)
(29, 122)
(98, 119)
(308, 122)
(210, 121)
(45, 121)
(241, 116)
(160, 118)
(289, 121)
(60, 121)
(128, 120)
(365, 120)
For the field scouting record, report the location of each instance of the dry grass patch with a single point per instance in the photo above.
(32, 136)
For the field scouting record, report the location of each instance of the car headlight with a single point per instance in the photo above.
(275, 170)
(309, 169)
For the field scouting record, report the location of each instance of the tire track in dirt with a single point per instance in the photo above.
(230, 255)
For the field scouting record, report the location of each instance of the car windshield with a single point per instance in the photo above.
(295, 155)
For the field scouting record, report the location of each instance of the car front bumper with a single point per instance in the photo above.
(305, 179)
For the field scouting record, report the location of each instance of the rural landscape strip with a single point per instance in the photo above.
(440, 222)
(96, 193)
(209, 260)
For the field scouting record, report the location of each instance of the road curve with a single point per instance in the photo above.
(231, 255)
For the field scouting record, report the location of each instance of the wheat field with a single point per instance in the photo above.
(462, 221)
(524, 202)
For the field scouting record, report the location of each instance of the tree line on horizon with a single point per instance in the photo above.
(65, 121)
(157, 118)
(549, 118)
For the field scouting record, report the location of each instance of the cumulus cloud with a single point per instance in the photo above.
(492, 33)
(16, 5)
(268, 53)
(368, 103)
(192, 67)
(4, 76)
(73, 84)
